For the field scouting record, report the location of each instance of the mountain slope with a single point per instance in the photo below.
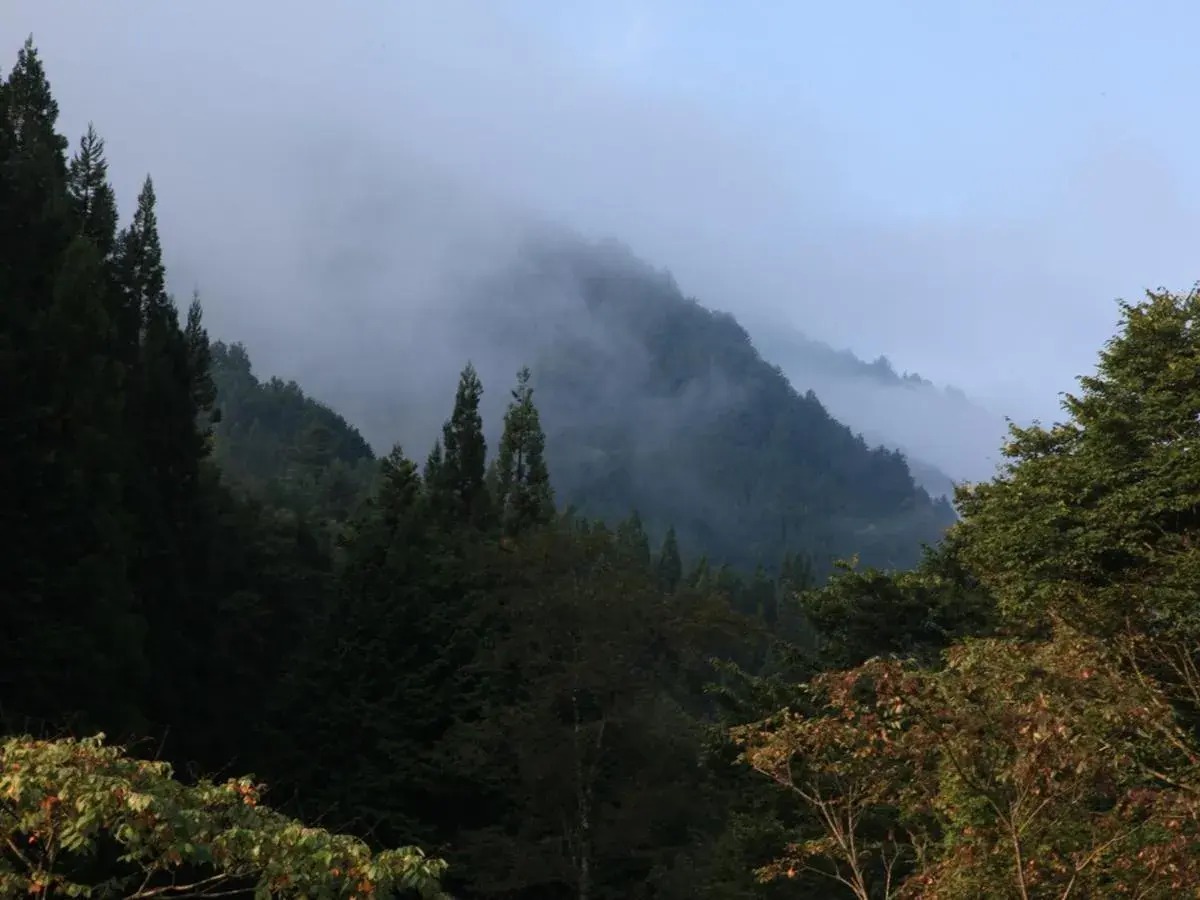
(947, 436)
(282, 445)
(651, 400)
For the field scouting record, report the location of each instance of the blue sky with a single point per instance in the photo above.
(941, 106)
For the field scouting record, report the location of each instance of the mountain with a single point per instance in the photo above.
(277, 442)
(650, 402)
(667, 405)
(947, 436)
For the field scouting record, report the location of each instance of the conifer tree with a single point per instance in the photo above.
(169, 392)
(142, 279)
(523, 487)
(460, 487)
(669, 566)
(34, 222)
(380, 653)
(70, 639)
(93, 201)
(203, 390)
(432, 473)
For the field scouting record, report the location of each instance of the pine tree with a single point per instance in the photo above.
(524, 494)
(669, 566)
(461, 492)
(142, 279)
(204, 391)
(432, 472)
(34, 223)
(170, 391)
(68, 642)
(93, 201)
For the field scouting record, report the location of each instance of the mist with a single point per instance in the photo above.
(346, 184)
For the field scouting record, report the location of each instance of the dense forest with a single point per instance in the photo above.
(448, 680)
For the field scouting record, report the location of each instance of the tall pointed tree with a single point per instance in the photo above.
(141, 274)
(93, 201)
(68, 645)
(523, 487)
(34, 222)
(461, 490)
(669, 566)
(199, 353)
(169, 393)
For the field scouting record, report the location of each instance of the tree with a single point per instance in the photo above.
(141, 277)
(862, 613)
(386, 648)
(35, 225)
(461, 490)
(581, 736)
(82, 818)
(1096, 520)
(69, 612)
(93, 201)
(1016, 770)
(669, 566)
(524, 496)
(199, 358)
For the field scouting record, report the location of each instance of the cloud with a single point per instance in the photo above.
(332, 174)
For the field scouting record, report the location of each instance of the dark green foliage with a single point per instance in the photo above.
(861, 613)
(522, 482)
(669, 567)
(461, 475)
(93, 202)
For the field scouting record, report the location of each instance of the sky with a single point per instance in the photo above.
(965, 187)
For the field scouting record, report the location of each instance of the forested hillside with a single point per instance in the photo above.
(660, 404)
(653, 402)
(427, 652)
(278, 444)
(946, 435)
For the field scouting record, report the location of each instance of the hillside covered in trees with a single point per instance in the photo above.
(650, 401)
(653, 402)
(476, 691)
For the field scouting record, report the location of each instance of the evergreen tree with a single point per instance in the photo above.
(432, 473)
(379, 651)
(702, 574)
(142, 280)
(34, 219)
(168, 395)
(204, 390)
(93, 201)
(460, 489)
(524, 495)
(69, 616)
(69, 641)
(669, 566)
